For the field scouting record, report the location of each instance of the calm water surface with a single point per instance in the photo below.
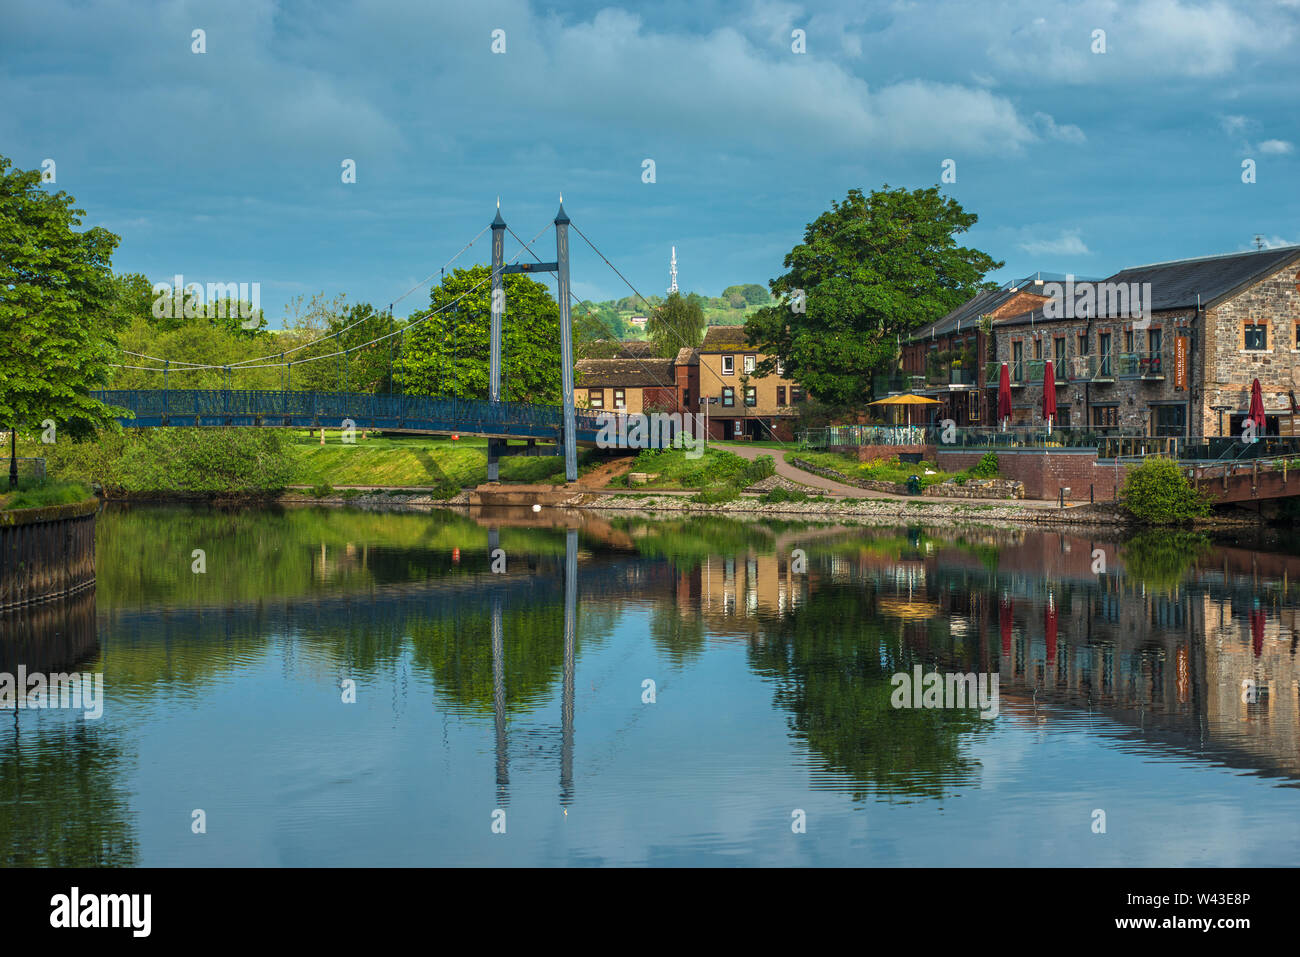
(524, 692)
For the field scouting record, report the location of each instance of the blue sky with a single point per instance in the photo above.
(225, 166)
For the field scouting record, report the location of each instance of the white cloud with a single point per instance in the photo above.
(1048, 128)
(1068, 243)
(1276, 147)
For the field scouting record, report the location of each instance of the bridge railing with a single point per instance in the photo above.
(178, 407)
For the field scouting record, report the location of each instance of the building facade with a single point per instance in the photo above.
(1169, 349)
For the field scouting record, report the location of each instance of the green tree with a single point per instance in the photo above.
(57, 298)
(365, 363)
(677, 324)
(447, 353)
(870, 269)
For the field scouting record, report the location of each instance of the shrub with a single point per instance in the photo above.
(782, 494)
(1157, 493)
(987, 466)
(716, 495)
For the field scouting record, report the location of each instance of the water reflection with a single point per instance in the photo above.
(1164, 651)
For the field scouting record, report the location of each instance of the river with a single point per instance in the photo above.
(336, 686)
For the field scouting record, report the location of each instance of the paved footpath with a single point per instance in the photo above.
(788, 471)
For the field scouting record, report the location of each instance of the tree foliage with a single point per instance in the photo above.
(677, 324)
(447, 353)
(871, 269)
(57, 305)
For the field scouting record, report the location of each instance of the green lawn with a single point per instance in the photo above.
(418, 461)
(715, 468)
(890, 470)
(38, 493)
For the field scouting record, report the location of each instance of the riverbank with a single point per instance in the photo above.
(884, 511)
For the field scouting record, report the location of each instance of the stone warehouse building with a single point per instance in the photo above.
(1165, 349)
(742, 404)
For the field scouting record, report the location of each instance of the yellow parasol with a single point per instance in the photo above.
(908, 400)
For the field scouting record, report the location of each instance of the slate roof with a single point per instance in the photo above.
(625, 373)
(967, 315)
(1175, 285)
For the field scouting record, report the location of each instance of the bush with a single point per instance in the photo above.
(782, 494)
(205, 461)
(1157, 493)
(987, 466)
(716, 495)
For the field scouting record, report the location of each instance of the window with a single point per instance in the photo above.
(728, 365)
(1297, 335)
(1103, 349)
(1170, 420)
(738, 429)
(751, 395)
(780, 367)
(728, 396)
(1105, 416)
(620, 399)
(1083, 343)
(1017, 361)
(686, 399)
(973, 405)
(748, 364)
(596, 398)
(796, 394)
(1153, 341)
(1128, 340)
(1038, 348)
(1060, 349)
(1257, 336)
(780, 390)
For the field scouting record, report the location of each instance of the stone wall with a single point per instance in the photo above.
(1230, 368)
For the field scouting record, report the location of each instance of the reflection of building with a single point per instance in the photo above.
(734, 593)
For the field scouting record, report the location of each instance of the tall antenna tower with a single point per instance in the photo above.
(672, 273)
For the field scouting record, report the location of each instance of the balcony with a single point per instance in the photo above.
(896, 383)
(1022, 373)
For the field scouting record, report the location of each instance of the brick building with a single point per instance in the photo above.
(1165, 349)
(742, 403)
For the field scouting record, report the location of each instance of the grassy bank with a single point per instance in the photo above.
(39, 493)
(262, 462)
(716, 475)
(889, 470)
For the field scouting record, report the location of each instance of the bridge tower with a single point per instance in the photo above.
(497, 447)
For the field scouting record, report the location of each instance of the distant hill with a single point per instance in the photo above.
(736, 303)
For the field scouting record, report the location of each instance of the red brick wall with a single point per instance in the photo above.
(1046, 473)
(877, 453)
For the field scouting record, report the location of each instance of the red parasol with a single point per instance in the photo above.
(1004, 394)
(1049, 394)
(1256, 414)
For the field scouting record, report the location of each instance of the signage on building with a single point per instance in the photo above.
(1180, 362)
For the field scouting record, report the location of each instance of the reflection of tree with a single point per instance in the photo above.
(457, 651)
(677, 631)
(1160, 559)
(60, 804)
(832, 659)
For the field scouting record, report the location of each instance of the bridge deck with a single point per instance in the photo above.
(157, 408)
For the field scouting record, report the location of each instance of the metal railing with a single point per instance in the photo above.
(218, 407)
(856, 435)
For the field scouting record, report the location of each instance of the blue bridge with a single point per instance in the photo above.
(161, 408)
